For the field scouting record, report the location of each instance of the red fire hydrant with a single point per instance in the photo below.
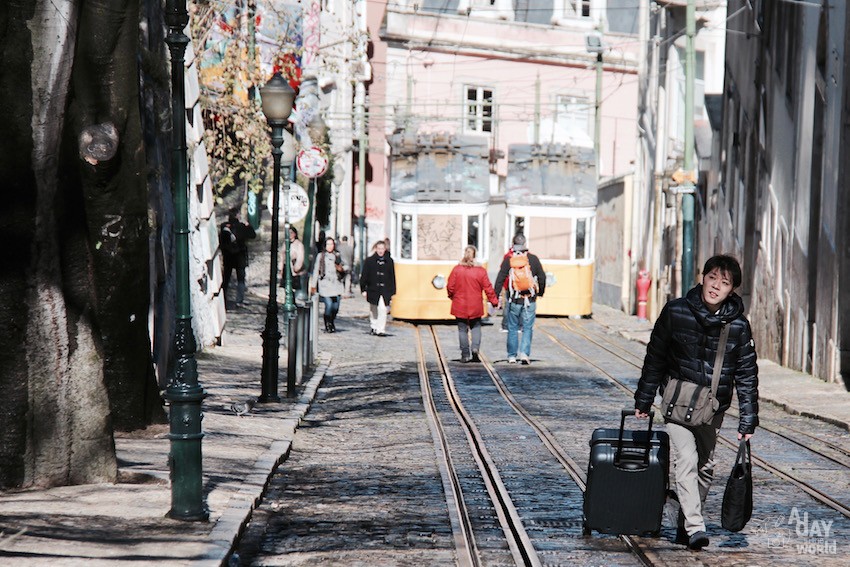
(643, 281)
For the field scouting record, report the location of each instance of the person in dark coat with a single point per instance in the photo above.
(377, 283)
(522, 305)
(233, 240)
(467, 281)
(683, 345)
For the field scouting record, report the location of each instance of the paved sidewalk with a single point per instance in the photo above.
(107, 524)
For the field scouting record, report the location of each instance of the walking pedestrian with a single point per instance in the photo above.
(467, 281)
(327, 280)
(526, 283)
(377, 283)
(684, 346)
(233, 240)
(296, 260)
(346, 251)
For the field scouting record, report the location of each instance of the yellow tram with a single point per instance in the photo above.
(550, 196)
(439, 203)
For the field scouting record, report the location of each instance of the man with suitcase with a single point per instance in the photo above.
(684, 346)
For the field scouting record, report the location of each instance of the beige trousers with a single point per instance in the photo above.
(693, 465)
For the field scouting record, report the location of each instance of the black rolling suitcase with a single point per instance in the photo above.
(626, 480)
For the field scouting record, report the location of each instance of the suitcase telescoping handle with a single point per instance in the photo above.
(626, 412)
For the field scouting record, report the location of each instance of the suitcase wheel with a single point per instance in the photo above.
(585, 530)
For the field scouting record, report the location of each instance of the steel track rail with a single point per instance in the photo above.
(841, 450)
(466, 549)
(554, 447)
(518, 540)
(821, 497)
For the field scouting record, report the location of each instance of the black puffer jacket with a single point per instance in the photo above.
(684, 344)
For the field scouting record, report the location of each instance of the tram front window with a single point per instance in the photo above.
(406, 237)
(438, 236)
(581, 231)
(473, 223)
(519, 226)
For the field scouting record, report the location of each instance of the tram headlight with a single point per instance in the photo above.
(550, 279)
(439, 281)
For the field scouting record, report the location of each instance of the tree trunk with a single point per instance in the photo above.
(75, 353)
(55, 422)
(106, 91)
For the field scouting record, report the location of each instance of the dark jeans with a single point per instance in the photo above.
(466, 327)
(331, 306)
(240, 279)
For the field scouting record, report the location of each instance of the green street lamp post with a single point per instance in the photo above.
(277, 97)
(183, 393)
(289, 308)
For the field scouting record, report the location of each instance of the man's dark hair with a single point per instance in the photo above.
(727, 264)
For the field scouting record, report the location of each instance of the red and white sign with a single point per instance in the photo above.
(312, 162)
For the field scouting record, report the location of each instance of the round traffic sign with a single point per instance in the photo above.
(296, 198)
(312, 162)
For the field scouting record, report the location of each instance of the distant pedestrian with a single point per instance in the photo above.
(327, 280)
(346, 250)
(467, 282)
(526, 283)
(296, 260)
(233, 239)
(684, 346)
(377, 283)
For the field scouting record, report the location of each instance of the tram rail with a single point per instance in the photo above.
(518, 540)
(637, 362)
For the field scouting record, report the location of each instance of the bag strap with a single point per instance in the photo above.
(718, 360)
(744, 457)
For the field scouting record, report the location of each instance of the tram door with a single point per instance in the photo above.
(563, 240)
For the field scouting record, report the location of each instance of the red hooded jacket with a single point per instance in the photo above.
(464, 288)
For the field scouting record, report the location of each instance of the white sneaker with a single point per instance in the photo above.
(511, 360)
(524, 359)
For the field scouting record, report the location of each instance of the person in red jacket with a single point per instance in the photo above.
(466, 283)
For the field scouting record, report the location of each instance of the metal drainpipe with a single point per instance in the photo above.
(688, 197)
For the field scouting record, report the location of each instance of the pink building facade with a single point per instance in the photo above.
(492, 71)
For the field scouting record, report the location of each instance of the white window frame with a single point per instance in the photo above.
(478, 103)
(568, 107)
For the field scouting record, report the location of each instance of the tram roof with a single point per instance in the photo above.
(439, 168)
(551, 174)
